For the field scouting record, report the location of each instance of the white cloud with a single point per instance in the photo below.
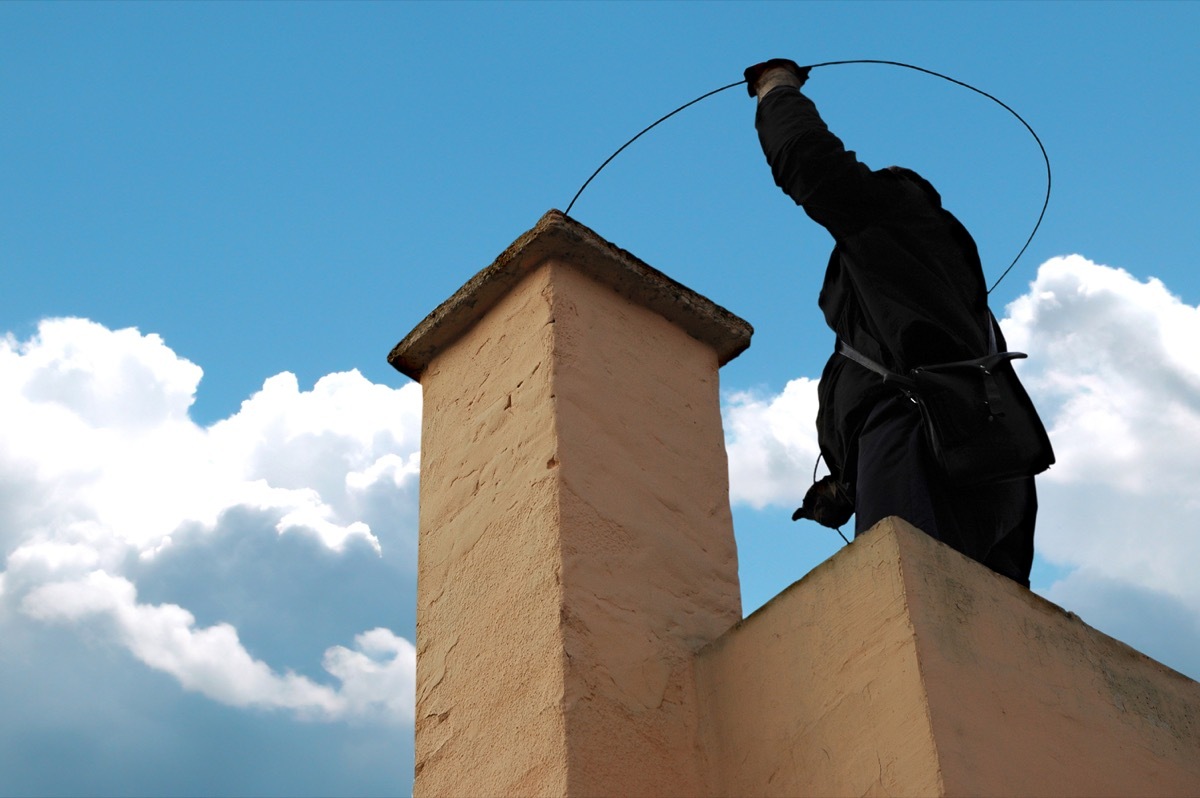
(212, 660)
(118, 450)
(1120, 361)
(104, 378)
(1116, 366)
(378, 678)
(105, 464)
(771, 444)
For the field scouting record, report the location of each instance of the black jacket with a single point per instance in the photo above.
(904, 284)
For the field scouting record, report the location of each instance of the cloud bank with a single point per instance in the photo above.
(246, 559)
(104, 473)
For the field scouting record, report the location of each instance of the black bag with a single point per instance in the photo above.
(980, 424)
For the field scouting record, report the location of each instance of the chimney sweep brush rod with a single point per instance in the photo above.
(1002, 104)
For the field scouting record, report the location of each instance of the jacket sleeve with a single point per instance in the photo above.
(812, 166)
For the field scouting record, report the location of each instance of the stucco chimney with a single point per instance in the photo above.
(576, 544)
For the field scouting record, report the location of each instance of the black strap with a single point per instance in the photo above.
(846, 350)
(907, 384)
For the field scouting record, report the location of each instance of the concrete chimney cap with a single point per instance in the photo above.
(558, 237)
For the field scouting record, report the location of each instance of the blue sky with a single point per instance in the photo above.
(216, 220)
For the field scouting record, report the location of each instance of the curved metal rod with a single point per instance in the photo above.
(1001, 103)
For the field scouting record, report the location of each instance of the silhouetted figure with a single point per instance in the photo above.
(904, 286)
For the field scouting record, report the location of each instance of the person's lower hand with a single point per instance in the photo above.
(827, 503)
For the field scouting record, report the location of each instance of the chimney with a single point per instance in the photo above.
(576, 545)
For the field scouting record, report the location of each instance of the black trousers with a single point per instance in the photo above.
(992, 524)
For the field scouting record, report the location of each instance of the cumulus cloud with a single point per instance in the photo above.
(771, 442)
(1117, 365)
(1119, 360)
(104, 472)
(100, 417)
(377, 679)
(1115, 372)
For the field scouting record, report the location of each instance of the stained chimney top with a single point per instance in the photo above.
(557, 236)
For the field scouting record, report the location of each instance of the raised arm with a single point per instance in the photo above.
(810, 163)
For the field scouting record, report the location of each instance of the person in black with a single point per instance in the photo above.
(904, 286)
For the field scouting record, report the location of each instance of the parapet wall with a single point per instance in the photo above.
(900, 667)
(579, 624)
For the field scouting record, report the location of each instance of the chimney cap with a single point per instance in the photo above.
(558, 236)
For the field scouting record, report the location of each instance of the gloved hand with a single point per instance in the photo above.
(755, 74)
(827, 503)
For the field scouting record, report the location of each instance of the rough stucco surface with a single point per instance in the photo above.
(1026, 699)
(819, 692)
(576, 547)
(489, 648)
(900, 667)
(649, 561)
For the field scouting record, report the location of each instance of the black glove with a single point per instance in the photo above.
(827, 503)
(754, 74)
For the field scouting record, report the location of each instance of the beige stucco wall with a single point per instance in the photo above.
(900, 667)
(490, 664)
(820, 692)
(649, 563)
(1027, 699)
